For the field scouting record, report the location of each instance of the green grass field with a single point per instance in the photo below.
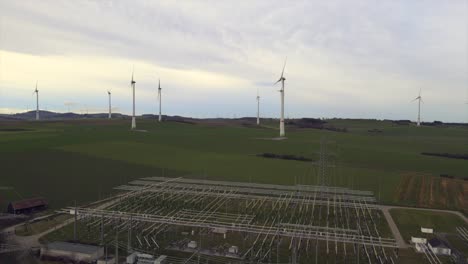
(409, 223)
(83, 160)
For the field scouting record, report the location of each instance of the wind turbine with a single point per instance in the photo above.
(37, 102)
(132, 83)
(419, 98)
(258, 108)
(282, 79)
(110, 104)
(159, 97)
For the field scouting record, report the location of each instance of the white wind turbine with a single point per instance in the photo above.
(110, 103)
(419, 98)
(132, 83)
(160, 99)
(37, 102)
(258, 108)
(282, 79)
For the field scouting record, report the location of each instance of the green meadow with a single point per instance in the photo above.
(83, 160)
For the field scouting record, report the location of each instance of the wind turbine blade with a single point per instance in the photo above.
(277, 81)
(284, 66)
(420, 92)
(414, 99)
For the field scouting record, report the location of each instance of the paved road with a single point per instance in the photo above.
(396, 232)
(393, 227)
(462, 216)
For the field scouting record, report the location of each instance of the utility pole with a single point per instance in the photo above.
(323, 163)
(117, 246)
(74, 224)
(129, 246)
(102, 230)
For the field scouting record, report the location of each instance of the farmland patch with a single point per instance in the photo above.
(421, 190)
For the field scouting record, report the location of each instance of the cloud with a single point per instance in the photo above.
(359, 58)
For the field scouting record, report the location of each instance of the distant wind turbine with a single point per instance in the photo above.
(258, 108)
(419, 98)
(160, 99)
(37, 102)
(132, 83)
(282, 79)
(110, 104)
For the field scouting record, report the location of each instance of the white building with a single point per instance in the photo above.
(418, 240)
(439, 247)
(142, 258)
(234, 250)
(192, 244)
(72, 251)
(427, 230)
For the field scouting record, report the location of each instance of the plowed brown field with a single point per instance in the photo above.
(422, 190)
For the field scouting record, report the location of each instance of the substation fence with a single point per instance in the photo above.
(463, 233)
(268, 214)
(7, 248)
(325, 189)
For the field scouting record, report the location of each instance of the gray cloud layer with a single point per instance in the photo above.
(345, 58)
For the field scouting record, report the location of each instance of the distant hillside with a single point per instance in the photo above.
(48, 115)
(245, 121)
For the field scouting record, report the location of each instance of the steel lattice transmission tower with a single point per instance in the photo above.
(322, 173)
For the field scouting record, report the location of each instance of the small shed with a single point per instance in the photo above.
(143, 258)
(27, 206)
(234, 249)
(427, 230)
(192, 244)
(418, 240)
(439, 247)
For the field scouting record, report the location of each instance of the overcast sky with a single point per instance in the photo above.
(357, 59)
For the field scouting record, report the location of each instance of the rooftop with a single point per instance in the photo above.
(29, 203)
(435, 242)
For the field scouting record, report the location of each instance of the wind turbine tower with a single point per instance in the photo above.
(258, 108)
(160, 100)
(110, 104)
(37, 102)
(282, 79)
(132, 83)
(419, 98)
